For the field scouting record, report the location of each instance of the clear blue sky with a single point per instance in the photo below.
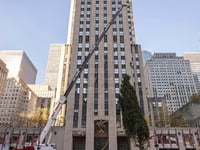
(160, 26)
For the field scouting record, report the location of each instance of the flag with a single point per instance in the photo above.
(169, 138)
(6, 140)
(183, 138)
(198, 140)
(190, 138)
(161, 138)
(22, 140)
(17, 142)
(155, 138)
(177, 141)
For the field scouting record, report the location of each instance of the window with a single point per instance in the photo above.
(105, 39)
(124, 66)
(115, 49)
(115, 66)
(75, 122)
(87, 39)
(114, 29)
(121, 39)
(114, 38)
(80, 40)
(122, 57)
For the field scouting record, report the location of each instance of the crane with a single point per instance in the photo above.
(63, 99)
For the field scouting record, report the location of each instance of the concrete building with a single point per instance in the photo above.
(3, 76)
(194, 58)
(17, 103)
(159, 116)
(93, 117)
(170, 76)
(167, 138)
(57, 73)
(190, 113)
(18, 100)
(45, 98)
(45, 94)
(19, 65)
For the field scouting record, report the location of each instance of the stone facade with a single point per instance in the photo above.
(160, 138)
(3, 76)
(93, 116)
(190, 112)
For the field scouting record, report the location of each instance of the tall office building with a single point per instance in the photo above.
(19, 65)
(93, 117)
(17, 103)
(170, 76)
(18, 100)
(3, 76)
(57, 74)
(194, 58)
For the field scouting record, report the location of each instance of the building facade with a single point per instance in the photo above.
(190, 113)
(3, 76)
(194, 58)
(45, 95)
(17, 103)
(160, 138)
(158, 110)
(57, 74)
(170, 76)
(93, 116)
(19, 65)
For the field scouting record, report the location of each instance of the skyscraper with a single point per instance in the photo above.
(194, 58)
(57, 73)
(19, 65)
(17, 103)
(93, 116)
(18, 100)
(3, 75)
(170, 76)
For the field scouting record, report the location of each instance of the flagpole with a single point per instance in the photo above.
(177, 141)
(169, 139)
(183, 138)
(162, 142)
(198, 140)
(191, 138)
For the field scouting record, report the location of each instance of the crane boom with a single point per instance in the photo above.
(63, 99)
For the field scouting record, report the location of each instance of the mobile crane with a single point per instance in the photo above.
(63, 99)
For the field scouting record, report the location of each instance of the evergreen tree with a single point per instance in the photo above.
(133, 118)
